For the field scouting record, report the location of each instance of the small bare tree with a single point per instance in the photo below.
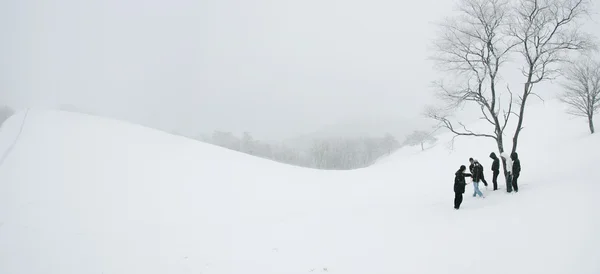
(547, 31)
(582, 90)
(420, 137)
(474, 46)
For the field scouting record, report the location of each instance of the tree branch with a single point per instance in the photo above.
(507, 114)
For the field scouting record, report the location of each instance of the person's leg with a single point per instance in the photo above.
(478, 191)
(475, 188)
(457, 200)
(514, 183)
(495, 180)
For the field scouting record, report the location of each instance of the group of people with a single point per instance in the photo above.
(513, 170)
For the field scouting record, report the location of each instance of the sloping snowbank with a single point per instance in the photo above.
(81, 194)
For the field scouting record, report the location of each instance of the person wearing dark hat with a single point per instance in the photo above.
(516, 170)
(459, 185)
(495, 169)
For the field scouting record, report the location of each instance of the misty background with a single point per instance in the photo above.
(279, 71)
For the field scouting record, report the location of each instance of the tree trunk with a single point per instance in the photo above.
(519, 125)
(591, 123)
(422, 146)
(526, 91)
(500, 144)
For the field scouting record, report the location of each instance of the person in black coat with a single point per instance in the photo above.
(516, 170)
(477, 170)
(495, 169)
(459, 185)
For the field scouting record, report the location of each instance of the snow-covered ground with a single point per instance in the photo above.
(82, 194)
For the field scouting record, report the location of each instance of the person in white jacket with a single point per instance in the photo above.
(509, 163)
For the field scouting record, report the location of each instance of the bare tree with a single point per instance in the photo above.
(389, 144)
(247, 143)
(582, 90)
(420, 137)
(474, 46)
(547, 31)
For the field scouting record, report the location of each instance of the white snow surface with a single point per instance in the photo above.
(83, 194)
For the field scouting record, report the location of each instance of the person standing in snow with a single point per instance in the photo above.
(509, 170)
(459, 185)
(495, 169)
(477, 168)
(516, 170)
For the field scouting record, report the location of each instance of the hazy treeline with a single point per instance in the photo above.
(334, 153)
(322, 153)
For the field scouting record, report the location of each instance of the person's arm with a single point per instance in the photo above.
(468, 175)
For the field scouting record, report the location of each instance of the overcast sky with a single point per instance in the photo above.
(276, 68)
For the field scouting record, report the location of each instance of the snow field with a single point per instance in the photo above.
(82, 194)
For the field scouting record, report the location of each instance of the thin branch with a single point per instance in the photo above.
(507, 114)
(445, 122)
(536, 95)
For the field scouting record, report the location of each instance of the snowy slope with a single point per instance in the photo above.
(81, 194)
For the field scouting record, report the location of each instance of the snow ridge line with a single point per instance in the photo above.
(12, 146)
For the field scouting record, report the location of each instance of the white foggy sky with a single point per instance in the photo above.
(275, 68)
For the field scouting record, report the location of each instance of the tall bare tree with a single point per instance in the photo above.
(473, 46)
(582, 90)
(547, 31)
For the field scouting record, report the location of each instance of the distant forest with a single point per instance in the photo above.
(322, 153)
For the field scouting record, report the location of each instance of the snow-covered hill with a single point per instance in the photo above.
(82, 194)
